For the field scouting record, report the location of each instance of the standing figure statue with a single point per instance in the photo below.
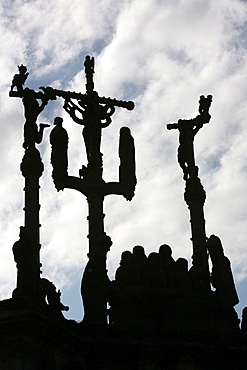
(89, 71)
(96, 284)
(59, 149)
(204, 105)
(221, 277)
(127, 170)
(187, 131)
(24, 250)
(32, 109)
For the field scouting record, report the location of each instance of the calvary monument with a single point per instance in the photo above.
(157, 313)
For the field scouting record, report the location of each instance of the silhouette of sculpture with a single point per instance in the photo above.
(22, 263)
(59, 149)
(140, 262)
(127, 174)
(32, 109)
(182, 278)
(167, 265)
(154, 272)
(127, 272)
(27, 274)
(187, 131)
(89, 71)
(221, 277)
(96, 284)
(199, 275)
(94, 118)
(131, 298)
(204, 105)
(89, 65)
(19, 79)
(48, 291)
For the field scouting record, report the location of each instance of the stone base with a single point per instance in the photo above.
(33, 340)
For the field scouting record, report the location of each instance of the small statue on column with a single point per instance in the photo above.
(19, 79)
(96, 284)
(187, 131)
(59, 148)
(32, 109)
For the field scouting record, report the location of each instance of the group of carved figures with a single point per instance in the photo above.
(158, 277)
(160, 271)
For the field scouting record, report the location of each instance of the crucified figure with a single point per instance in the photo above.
(32, 109)
(93, 118)
(187, 131)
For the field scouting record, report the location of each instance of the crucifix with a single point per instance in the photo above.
(195, 194)
(93, 113)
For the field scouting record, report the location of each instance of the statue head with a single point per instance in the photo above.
(22, 69)
(139, 256)
(138, 249)
(182, 264)
(165, 250)
(58, 121)
(153, 259)
(125, 131)
(215, 247)
(126, 258)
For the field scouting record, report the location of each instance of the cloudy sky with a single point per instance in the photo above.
(162, 54)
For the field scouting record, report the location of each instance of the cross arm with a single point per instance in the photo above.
(86, 188)
(87, 98)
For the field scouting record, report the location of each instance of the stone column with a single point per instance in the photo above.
(26, 250)
(195, 197)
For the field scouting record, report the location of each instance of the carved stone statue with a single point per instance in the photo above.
(199, 275)
(130, 301)
(89, 65)
(204, 105)
(89, 71)
(32, 109)
(140, 262)
(48, 291)
(94, 118)
(187, 131)
(221, 277)
(96, 284)
(182, 278)
(59, 149)
(154, 273)
(19, 79)
(27, 272)
(127, 174)
(167, 265)
(127, 273)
